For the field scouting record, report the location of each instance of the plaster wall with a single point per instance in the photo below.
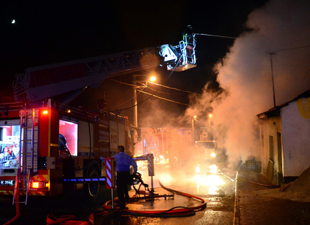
(296, 140)
(270, 162)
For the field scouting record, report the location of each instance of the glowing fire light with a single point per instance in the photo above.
(212, 180)
(213, 168)
(198, 169)
(166, 178)
(198, 179)
(213, 190)
(213, 155)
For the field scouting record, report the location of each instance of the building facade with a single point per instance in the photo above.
(285, 139)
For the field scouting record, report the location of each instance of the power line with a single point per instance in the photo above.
(132, 106)
(169, 100)
(121, 82)
(214, 35)
(161, 85)
(166, 93)
(271, 53)
(174, 88)
(294, 48)
(140, 91)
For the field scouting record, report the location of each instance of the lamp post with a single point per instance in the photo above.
(135, 112)
(193, 129)
(135, 81)
(135, 101)
(209, 122)
(272, 78)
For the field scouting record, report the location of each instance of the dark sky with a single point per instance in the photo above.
(55, 31)
(49, 31)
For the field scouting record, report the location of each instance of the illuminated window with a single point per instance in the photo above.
(9, 144)
(69, 130)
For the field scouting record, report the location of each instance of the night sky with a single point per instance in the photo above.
(47, 32)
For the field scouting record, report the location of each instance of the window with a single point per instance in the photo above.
(9, 145)
(70, 132)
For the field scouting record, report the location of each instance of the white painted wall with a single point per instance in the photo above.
(296, 140)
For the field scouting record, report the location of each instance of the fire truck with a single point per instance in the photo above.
(168, 145)
(49, 148)
(206, 146)
(51, 145)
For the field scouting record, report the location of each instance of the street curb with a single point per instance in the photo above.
(236, 205)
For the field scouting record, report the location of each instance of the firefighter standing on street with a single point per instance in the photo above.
(123, 162)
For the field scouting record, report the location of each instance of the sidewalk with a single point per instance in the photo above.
(252, 207)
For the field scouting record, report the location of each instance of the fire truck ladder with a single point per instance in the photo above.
(28, 155)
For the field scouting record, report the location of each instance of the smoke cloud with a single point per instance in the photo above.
(280, 30)
(281, 27)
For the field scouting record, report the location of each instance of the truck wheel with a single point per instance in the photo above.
(92, 189)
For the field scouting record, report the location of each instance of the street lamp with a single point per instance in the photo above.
(135, 81)
(210, 116)
(152, 79)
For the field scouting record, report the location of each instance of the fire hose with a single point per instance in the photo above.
(15, 217)
(68, 219)
(178, 211)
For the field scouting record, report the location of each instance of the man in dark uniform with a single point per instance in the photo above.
(123, 162)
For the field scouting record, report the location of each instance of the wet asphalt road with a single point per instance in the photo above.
(216, 189)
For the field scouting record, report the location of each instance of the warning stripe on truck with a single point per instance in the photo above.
(33, 193)
(40, 178)
(6, 192)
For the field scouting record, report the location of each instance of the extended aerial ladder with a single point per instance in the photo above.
(39, 83)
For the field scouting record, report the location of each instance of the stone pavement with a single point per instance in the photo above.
(252, 209)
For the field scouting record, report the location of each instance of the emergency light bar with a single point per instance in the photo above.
(84, 180)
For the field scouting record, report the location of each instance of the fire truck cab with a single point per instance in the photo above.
(207, 149)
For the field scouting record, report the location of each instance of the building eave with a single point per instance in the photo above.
(275, 111)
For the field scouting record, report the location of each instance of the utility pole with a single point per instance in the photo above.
(135, 109)
(193, 129)
(274, 96)
(135, 117)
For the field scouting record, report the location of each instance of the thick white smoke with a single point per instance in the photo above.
(282, 27)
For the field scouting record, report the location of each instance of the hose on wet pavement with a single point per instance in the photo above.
(173, 212)
(178, 211)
